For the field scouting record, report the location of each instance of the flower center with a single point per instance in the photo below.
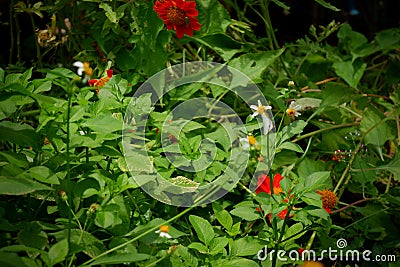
(261, 110)
(252, 140)
(176, 16)
(329, 199)
(277, 190)
(164, 228)
(291, 112)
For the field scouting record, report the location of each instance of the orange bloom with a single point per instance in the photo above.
(329, 199)
(179, 15)
(102, 81)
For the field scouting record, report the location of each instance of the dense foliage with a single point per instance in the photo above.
(327, 169)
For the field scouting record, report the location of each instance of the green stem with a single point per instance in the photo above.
(68, 165)
(353, 156)
(325, 130)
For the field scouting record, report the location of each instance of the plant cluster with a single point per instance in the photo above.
(319, 144)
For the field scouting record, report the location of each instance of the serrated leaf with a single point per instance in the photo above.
(247, 213)
(203, 228)
(218, 244)
(318, 180)
(246, 246)
(110, 14)
(294, 232)
(198, 246)
(223, 216)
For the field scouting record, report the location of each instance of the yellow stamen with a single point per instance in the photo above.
(252, 140)
(164, 228)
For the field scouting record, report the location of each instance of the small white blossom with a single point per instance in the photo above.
(293, 110)
(262, 111)
(247, 142)
(163, 231)
(80, 67)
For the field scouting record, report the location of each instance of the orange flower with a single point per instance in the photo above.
(264, 184)
(329, 199)
(102, 81)
(179, 15)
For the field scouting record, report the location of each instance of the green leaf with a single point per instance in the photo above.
(290, 146)
(335, 94)
(20, 134)
(327, 5)
(103, 123)
(213, 17)
(111, 15)
(236, 262)
(246, 211)
(218, 244)
(318, 180)
(377, 135)
(350, 71)
(393, 166)
(388, 39)
(19, 186)
(253, 65)
(203, 228)
(291, 130)
(246, 246)
(312, 199)
(40, 173)
(11, 260)
(293, 232)
(58, 252)
(224, 45)
(121, 258)
(198, 246)
(223, 216)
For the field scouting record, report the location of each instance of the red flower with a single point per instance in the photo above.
(281, 214)
(264, 184)
(178, 15)
(102, 81)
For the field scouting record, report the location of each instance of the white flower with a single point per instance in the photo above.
(80, 67)
(262, 111)
(291, 83)
(247, 142)
(293, 110)
(163, 231)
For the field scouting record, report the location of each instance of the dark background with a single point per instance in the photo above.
(374, 15)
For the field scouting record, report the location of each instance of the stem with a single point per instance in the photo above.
(353, 156)
(325, 130)
(68, 165)
(39, 57)
(11, 33)
(354, 203)
(18, 30)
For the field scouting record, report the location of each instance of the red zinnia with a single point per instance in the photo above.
(178, 15)
(264, 184)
